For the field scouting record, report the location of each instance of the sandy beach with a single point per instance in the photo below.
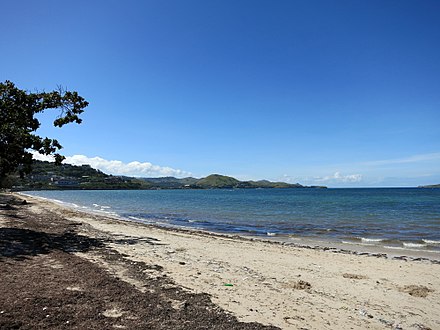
(270, 284)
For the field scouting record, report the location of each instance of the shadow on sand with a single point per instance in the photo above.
(20, 243)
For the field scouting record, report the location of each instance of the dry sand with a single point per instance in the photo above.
(283, 285)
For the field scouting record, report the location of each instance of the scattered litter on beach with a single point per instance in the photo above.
(364, 312)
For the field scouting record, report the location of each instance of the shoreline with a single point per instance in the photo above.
(283, 285)
(58, 273)
(317, 243)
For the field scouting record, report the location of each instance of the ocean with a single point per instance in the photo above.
(398, 218)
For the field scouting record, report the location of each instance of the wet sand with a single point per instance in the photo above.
(283, 285)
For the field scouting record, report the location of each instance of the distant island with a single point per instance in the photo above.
(430, 186)
(48, 176)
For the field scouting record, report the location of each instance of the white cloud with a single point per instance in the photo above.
(288, 178)
(41, 157)
(338, 177)
(116, 167)
(335, 179)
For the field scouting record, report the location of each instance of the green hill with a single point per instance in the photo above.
(48, 176)
(170, 182)
(40, 168)
(217, 181)
(269, 184)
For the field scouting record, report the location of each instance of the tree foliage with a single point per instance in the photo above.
(18, 123)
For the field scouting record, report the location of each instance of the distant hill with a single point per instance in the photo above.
(40, 168)
(47, 175)
(430, 186)
(217, 181)
(269, 184)
(170, 182)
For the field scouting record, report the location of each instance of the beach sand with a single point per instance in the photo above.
(273, 284)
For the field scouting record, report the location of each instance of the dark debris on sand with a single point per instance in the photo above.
(44, 285)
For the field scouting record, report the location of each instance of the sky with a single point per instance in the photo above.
(337, 93)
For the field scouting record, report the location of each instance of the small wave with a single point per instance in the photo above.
(136, 219)
(413, 245)
(198, 221)
(371, 240)
(431, 242)
(105, 212)
(101, 207)
(271, 234)
(357, 243)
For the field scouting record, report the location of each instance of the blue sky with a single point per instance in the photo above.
(341, 93)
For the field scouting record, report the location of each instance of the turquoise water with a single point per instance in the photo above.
(391, 217)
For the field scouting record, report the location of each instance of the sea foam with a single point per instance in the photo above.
(431, 242)
(413, 245)
(371, 240)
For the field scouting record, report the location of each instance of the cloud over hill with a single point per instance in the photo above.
(117, 167)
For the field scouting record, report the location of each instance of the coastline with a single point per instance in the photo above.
(368, 247)
(288, 285)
